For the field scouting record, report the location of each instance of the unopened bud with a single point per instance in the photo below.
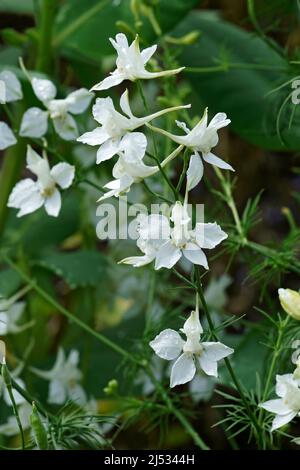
(290, 302)
(186, 40)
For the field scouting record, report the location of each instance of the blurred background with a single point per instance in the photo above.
(241, 57)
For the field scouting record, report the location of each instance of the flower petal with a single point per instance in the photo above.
(281, 420)
(124, 104)
(195, 171)
(79, 100)
(53, 203)
(183, 370)
(96, 137)
(34, 123)
(7, 138)
(13, 90)
(66, 127)
(43, 89)
(212, 353)
(57, 393)
(114, 79)
(148, 53)
(276, 406)
(214, 160)
(63, 174)
(26, 197)
(107, 150)
(167, 256)
(194, 254)
(209, 235)
(168, 344)
(134, 145)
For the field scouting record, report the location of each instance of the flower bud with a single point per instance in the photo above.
(186, 40)
(290, 302)
(39, 431)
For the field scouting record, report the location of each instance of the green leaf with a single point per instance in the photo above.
(84, 26)
(79, 269)
(248, 359)
(243, 90)
(10, 281)
(17, 6)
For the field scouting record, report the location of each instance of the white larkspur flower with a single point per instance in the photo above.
(29, 195)
(166, 244)
(290, 302)
(130, 167)
(64, 379)
(115, 126)
(9, 319)
(191, 353)
(131, 63)
(13, 92)
(11, 428)
(287, 407)
(35, 120)
(201, 139)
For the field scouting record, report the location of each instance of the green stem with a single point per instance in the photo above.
(111, 345)
(143, 97)
(8, 383)
(79, 22)
(181, 418)
(10, 172)
(277, 350)
(226, 360)
(30, 399)
(44, 54)
(165, 176)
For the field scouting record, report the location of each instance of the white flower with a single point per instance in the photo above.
(166, 245)
(192, 352)
(115, 126)
(131, 63)
(64, 379)
(288, 405)
(35, 120)
(202, 138)
(9, 318)
(29, 195)
(11, 428)
(13, 92)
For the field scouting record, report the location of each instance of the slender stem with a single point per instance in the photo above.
(143, 97)
(165, 176)
(226, 186)
(79, 22)
(159, 196)
(10, 171)
(30, 399)
(226, 360)
(277, 349)
(181, 418)
(114, 347)
(44, 55)
(7, 380)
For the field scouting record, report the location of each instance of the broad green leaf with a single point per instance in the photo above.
(242, 91)
(17, 6)
(84, 26)
(78, 269)
(10, 281)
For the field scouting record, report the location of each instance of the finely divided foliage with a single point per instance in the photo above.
(143, 159)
